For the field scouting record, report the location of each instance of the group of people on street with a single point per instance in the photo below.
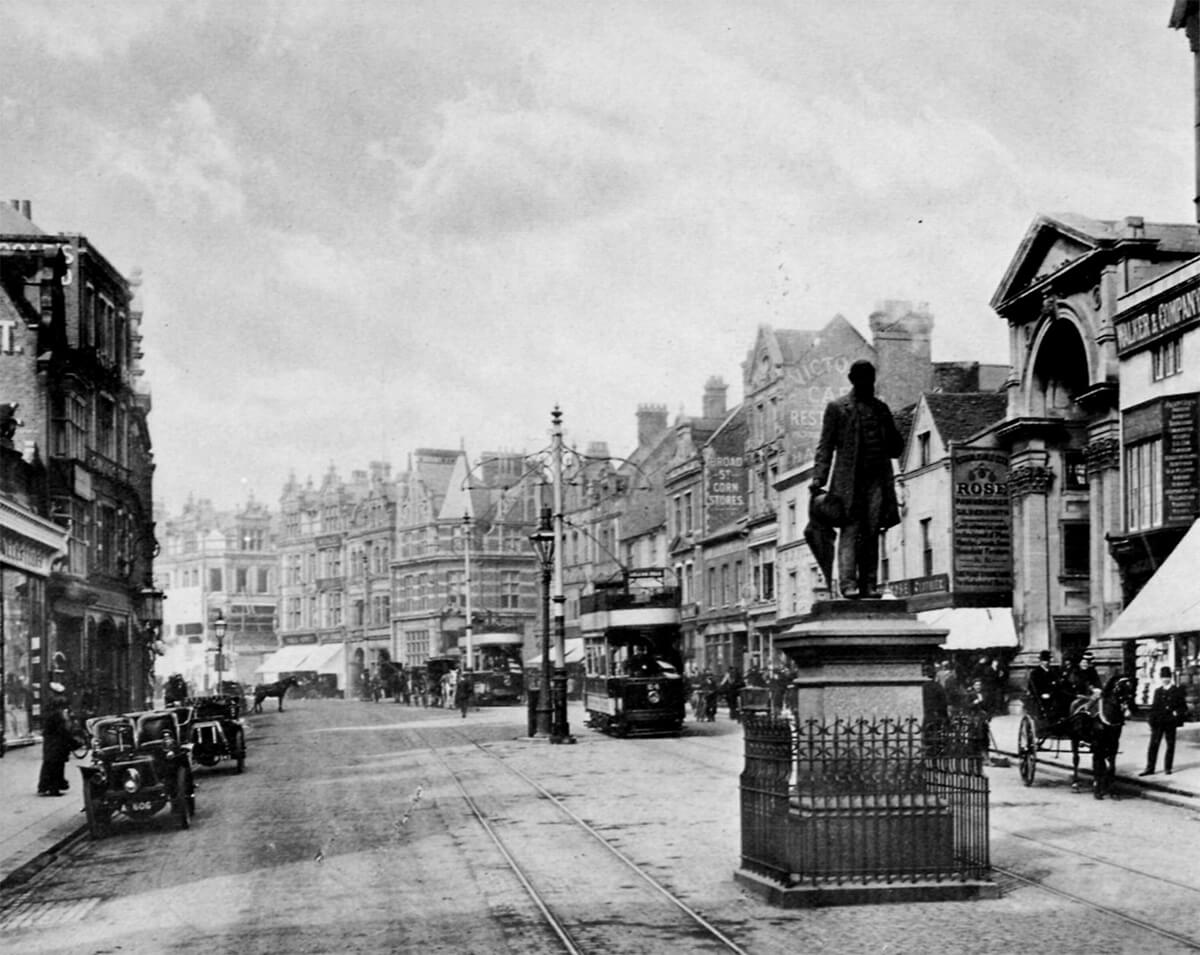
(1053, 689)
(706, 692)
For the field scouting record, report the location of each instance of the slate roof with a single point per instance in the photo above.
(958, 416)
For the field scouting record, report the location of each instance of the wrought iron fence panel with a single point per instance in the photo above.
(764, 796)
(864, 800)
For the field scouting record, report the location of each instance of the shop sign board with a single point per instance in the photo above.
(982, 521)
(1181, 459)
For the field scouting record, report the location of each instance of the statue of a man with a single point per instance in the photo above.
(859, 440)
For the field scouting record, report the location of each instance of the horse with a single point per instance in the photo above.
(1098, 720)
(276, 689)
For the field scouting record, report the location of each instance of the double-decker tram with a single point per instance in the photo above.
(497, 671)
(633, 679)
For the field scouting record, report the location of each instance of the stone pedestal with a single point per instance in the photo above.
(860, 659)
(871, 817)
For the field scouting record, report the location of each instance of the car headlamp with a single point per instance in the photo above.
(132, 782)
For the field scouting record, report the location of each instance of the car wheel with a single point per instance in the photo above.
(97, 815)
(179, 799)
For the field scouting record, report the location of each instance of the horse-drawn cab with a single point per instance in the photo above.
(217, 731)
(1066, 721)
(140, 763)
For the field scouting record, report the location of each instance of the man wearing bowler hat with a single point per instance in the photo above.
(1168, 711)
(854, 456)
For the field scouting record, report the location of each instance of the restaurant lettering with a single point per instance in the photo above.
(1166, 316)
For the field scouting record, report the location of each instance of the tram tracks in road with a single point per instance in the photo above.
(1013, 876)
(575, 925)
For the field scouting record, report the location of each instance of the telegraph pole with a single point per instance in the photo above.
(560, 730)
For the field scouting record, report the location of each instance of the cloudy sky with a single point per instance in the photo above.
(368, 226)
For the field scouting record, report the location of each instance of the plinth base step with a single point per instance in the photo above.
(863, 893)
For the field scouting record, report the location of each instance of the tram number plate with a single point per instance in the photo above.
(142, 805)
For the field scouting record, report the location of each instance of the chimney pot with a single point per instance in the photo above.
(27, 209)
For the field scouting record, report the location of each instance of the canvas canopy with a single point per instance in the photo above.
(973, 628)
(326, 658)
(283, 660)
(1170, 601)
(572, 653)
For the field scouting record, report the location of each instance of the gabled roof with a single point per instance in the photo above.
(1054, 241)
(959, 416)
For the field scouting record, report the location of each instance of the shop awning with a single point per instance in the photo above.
(326, 658)
(1170, 600)
(973, 628)
(572, 653)
(284, 660)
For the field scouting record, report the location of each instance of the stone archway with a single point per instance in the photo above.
(1059, 373)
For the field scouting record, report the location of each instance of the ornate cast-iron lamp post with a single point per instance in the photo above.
(543, 545)
(219, 625)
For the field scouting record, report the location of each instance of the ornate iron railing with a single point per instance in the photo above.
(863, 801)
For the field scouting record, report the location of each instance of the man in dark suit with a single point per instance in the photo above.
(1045, 687)
(854, 455)
(1168, 711)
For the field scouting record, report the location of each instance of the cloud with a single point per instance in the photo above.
(88, 31)
(496, 168)
(186, 162)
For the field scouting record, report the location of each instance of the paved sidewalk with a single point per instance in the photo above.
(33, 828)
(1182, 785)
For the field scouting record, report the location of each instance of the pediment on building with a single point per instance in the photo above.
(1050, 244)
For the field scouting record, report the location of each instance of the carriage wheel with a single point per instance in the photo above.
(1027, 749)
(179, 800)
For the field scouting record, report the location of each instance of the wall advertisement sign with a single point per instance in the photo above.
(982, 526)
(1174, 420)
(726, 483)
(1180, 459)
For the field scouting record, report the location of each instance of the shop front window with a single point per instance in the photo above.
(20, 613)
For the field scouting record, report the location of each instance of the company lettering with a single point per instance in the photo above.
(1163, 317)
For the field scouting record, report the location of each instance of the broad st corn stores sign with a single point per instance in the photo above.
(726, 485)
(982, 525)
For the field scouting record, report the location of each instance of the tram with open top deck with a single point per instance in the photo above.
(497, 670)
(633, 669)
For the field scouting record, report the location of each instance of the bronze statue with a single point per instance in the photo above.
(858, 439)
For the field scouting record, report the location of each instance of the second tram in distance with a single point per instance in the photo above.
(497, 672)
(633, 668)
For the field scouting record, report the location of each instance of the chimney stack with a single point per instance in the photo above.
(652, 422)
(713, 405)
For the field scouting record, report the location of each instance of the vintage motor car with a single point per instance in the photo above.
(217, 730)
(140, 764)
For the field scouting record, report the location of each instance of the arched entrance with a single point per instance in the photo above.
(1060, 373)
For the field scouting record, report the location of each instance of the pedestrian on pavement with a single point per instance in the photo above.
(462, 693)
(731, 688)
(57, 743)
(978, 713)
(1168, 711)
(709, 692)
